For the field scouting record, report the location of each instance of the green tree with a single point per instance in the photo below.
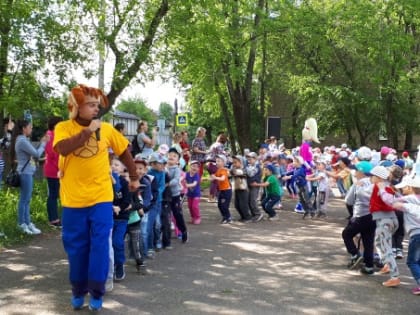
(139, 108)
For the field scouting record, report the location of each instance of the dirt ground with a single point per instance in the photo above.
(290, 266)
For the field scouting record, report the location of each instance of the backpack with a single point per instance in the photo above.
(135, 148)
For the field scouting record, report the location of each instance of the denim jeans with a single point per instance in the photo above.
(26, 187)
(52, 205)
(268, 203)
(223, 202)
(143, 231)
(118, 234)
(340, 186)
(413, 257)
(153, 227)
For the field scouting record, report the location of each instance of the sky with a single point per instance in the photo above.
(154, 93)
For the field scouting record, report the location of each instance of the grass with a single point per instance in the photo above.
(9, 198)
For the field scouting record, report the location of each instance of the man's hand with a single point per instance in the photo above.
(95, 124)
(133, 185)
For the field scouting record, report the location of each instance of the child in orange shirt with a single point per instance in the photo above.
(225, 191)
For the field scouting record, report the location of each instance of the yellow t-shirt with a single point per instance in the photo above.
(86, 178)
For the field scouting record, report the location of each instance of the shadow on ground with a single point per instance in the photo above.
(290, 266)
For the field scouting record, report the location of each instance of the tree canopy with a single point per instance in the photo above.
(353, 65)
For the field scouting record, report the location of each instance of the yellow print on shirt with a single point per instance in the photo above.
(90, 148)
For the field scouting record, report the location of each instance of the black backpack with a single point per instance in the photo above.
(135, 148)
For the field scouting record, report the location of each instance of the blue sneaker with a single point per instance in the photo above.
(95, 304)
(77, 302)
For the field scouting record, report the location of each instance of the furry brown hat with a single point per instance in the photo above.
(77, 98)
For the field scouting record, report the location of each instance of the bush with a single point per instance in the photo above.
(9, 198)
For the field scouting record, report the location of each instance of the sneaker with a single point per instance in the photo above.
(367, 270)
(77, 302)
(119, 272)
(355, 262)
(416, 290)
(321, 214)
(273, 218)
(399, 254)
(305, 214)
(150, 254)
(56, 224)
(95, 304)
(141, 269)
(384, 270)
(168, 247)
(34, 229)
(109, 285)
(258, 217)
(394, 252)
(25, 229)
(229, 221)
(377, 262)
(393, 282)
(185, 237)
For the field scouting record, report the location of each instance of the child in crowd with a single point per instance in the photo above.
(153, 230)
(299, 177)
(120, 206)
(140, 201)
(322, 189)
(386, 222)
(240, 188)
(273, 192)
(290, 183)
(174, 172)
(361, 221)
(211, 169)
(253, 173)
(166, 216)
(396, 174)
(225, 191)
(410, 206)
(192, 182)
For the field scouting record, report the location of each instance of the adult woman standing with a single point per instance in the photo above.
(51, 174)
(145, 143)
(24, 153)
(185, 147)
(199, 148)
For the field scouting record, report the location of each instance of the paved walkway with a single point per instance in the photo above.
(291, 266)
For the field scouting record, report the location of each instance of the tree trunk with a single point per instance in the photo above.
(124, 74)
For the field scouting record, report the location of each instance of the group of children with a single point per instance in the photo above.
(148, 215)
(382, 201)
(375, 194)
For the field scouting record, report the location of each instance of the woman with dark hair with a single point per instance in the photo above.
(51, 174)
(120, 127)
(199, 149)
(23, 155)
(145, 143)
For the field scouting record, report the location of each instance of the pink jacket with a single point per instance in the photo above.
(51, 158)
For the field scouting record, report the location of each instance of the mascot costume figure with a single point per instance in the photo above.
(309, 135)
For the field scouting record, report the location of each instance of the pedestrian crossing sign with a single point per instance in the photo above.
(182, 120)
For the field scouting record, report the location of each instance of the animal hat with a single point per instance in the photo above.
(78, 95)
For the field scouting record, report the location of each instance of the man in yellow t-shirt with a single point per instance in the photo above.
(86, 191)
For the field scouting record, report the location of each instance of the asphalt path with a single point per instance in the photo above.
(290, 266)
